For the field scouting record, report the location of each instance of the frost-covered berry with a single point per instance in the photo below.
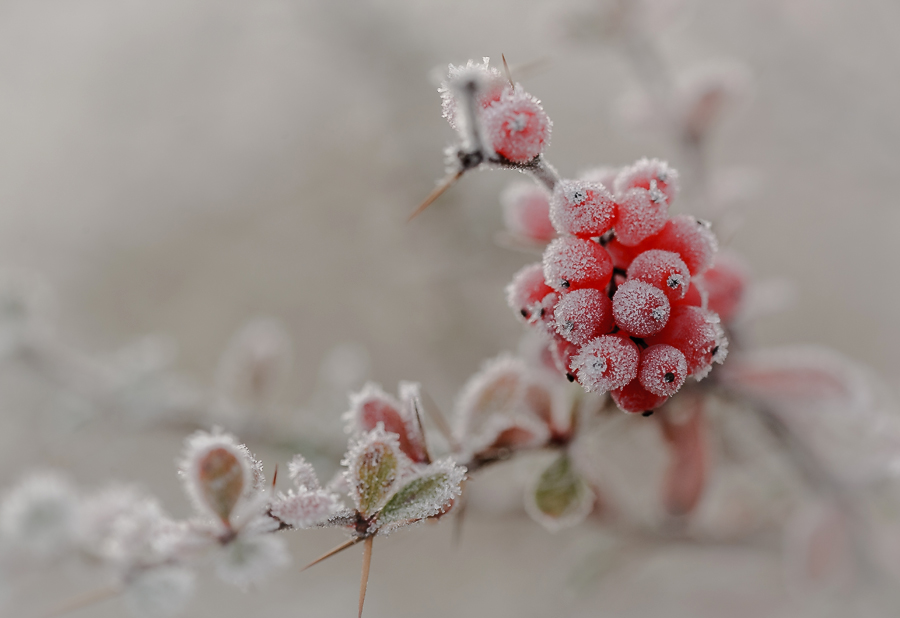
(663, 370)
(696, 293)
(690, 238)
(526, 291)
(562, 352)
(697, 334)
(641, 214)
(725, 282)
(621, 255)
(583, 314)
(635, 399)
(647, 174)
(581, 208)
(516, 126)
(526, 212)
(606, 363)
(640, 308)
(662, 269)
(573, 263)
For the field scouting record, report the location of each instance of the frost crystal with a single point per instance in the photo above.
(374, 464)
(309, 504)
(372, 406)
(159, 592)
(40, 514)
(428, 493)
(487, 80)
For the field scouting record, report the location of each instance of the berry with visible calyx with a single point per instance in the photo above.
(690, 238)
(663, 370)
(636, 399)
(725, 283)
(516, 126)
(526, 212)
(641, 214)
(583, 315)
(648, 174)
(572, 263)
(581, 208)
(697, 334)
(606, 363)
(640, 308)
(664, 270)
(526, 291)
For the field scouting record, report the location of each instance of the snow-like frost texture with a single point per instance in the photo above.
(489, 83)
(664, 270)
(691, 238)
(375, 464)
(573, 263)
(640, 308)
(606, 363)
(526, 291)
(526, 211)
(583, 315)
(428, 493)
(582, 208)
(663, 370)
(698, 334)
(308, 505)
(516, 126)
(40, 514)
(249, 559)
(302, 473)
(372, 406)
(641, 214)
(159, 592)
(648, 174)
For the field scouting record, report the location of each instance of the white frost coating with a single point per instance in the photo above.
(249, 559)
(650, 174)
(582, 208)
(489, 84)
(302, 473)
(40, 514)
(606, 363)
(200, 444)
(721, 346)
(640, 308)
(642, 213)
(429, 500)
(159, 592)
(372, 405)
(376, 444)
(309, 505)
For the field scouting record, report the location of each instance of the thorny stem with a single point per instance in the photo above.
(364, 581)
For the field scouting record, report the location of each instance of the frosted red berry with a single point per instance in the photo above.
(606, 363)
(696, 294)
(640, 308)
(664, 270)
(526, 212)
(641, 214)
(635, 399)
(563, 352)
(648, 174)
(581, 208)
(572, 263)
(725, 284)
(516, 126)
(663, 370)
(526, 291)
(697, 334)
(583, 315)
(690, 238)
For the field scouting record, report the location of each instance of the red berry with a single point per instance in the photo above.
(725, 283)
(572, 263)
(641, 214)
(696, 294)
(516, 126)
(664, 270)
(648, 174)
(663, 370)
(605, 363)
(640, 309)
(582, 208)
(563, 352)
(526, 212)
(635, 399)
(697, 334)
(621, 255)
(526, 291)
(690, 238)
(583, 314)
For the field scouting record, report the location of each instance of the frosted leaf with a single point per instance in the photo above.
(502, 433)
(489, 84)
(302, 473)
(305, 508)
(526, 211)
(374, 464)
(606, 363)
(428, 493)
(218, 473)
(411, 399)
(249, 559)
(40, 514)
(372, 406)
(159, 592)
(559, 498)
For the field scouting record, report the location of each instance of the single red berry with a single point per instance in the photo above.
(526, 291)
(640, 309)
(526, 212)
(621, 255)
(690, 238)
(606, 363)
(697, 334)
(635, 399)
(563, 353)
(664, 270)
(663, 370)
(696, 294)
(581, 208)
(516, 126)
(726, 282)
(648, 174)
(572, 263)
(641, 214)
(584, 314)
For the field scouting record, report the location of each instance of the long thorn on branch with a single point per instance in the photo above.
(364, 581)
(438, 191)
(332, 552)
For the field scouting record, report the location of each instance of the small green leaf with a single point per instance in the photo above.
(374, 472)
(559, 498)
(425, 495)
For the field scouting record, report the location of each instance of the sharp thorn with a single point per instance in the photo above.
(332, 552)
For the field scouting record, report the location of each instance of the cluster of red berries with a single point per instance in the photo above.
(614, 290)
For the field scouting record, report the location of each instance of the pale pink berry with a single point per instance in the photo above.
(664, 270)
(526, 291)
(606, 363)
(572, 263)
(663, 370)
(516, 126)
(648, 174)
(641, 214)
(581, 208)
(635, 399)
(725, 282)
(690, 238)
(640, 308)
(583, 315)
(697, 334)
(526, 212)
